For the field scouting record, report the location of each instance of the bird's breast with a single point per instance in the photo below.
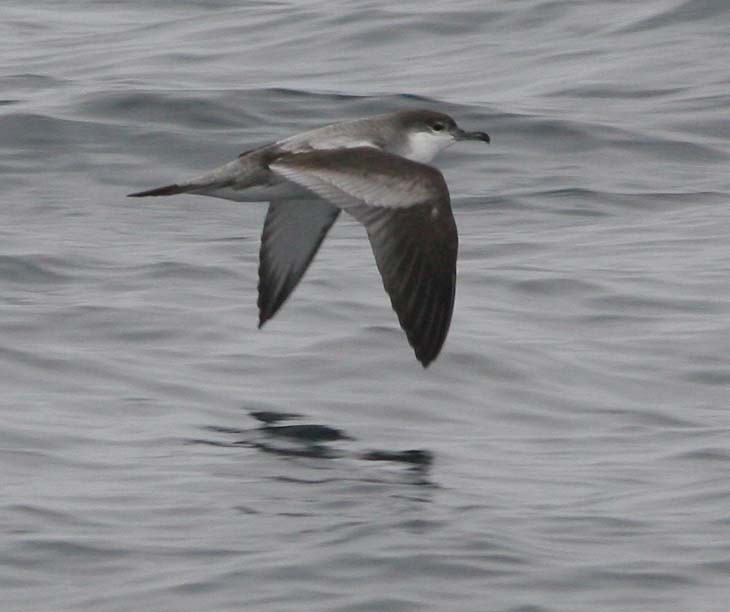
(423, 147)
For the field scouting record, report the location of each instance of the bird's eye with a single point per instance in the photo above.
(437, 127)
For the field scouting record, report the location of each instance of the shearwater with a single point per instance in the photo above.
(375, 170)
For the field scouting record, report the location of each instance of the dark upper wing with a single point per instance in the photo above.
(416, 256)
(293, 232)
(406, 211)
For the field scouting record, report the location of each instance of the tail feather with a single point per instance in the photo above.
(217, 178)
(162, 191)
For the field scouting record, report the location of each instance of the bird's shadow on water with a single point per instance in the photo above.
(275, 434)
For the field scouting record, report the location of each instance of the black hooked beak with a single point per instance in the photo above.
(462, 135)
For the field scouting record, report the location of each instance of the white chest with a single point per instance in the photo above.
(424, 146)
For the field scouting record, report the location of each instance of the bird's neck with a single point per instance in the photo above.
(423, 147)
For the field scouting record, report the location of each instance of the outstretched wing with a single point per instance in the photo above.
(405, 208)
(293, 232)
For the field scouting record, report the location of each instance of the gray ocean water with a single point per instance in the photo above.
(578, 419)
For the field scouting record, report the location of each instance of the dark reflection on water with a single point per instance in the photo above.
(314, 441)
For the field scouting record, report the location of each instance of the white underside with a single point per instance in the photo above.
(424, 146)
(281, 191)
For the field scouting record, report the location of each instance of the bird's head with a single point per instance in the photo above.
(429, 132)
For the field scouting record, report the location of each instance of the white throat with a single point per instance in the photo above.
(424, 146)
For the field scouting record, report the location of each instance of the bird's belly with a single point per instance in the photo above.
(261, 193)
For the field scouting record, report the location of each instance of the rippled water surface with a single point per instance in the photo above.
(572, 436)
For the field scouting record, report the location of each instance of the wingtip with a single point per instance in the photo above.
(263, 317)
(265, 312)
(426, 360)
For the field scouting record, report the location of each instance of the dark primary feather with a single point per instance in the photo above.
(292, 234)
(416, 256)
(414, 240)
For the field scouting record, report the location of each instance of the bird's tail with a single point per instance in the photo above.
(220, 177)
(162, 191)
